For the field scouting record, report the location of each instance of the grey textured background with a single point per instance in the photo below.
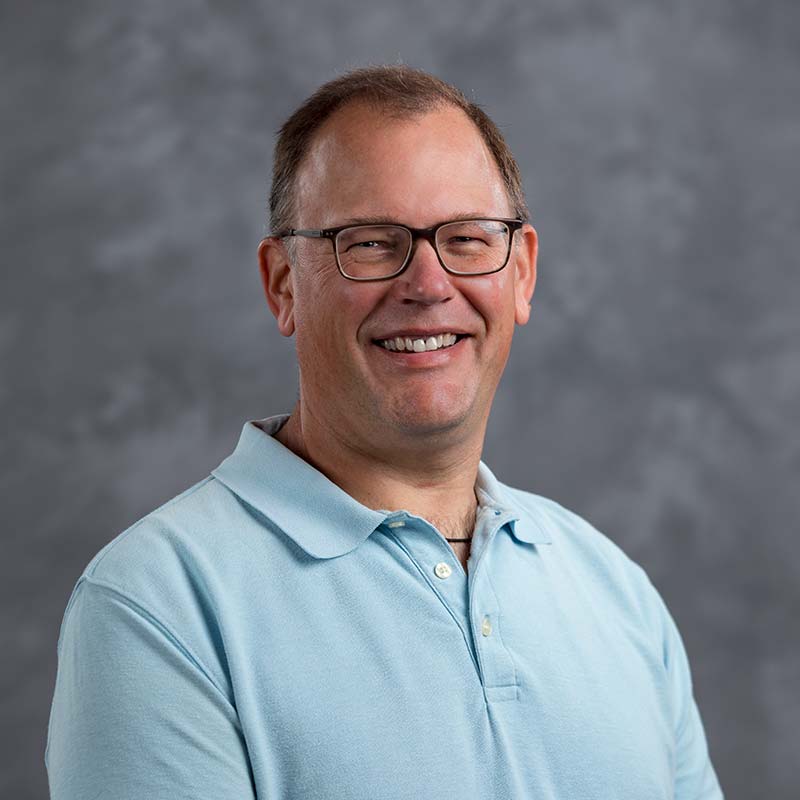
(656, 390)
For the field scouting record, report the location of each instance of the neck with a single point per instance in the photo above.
(432, 475)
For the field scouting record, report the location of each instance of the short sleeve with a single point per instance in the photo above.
(695, 778)
(134, 715)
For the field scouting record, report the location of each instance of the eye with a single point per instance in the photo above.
(369, 244)
(473, 238)
(453, 241)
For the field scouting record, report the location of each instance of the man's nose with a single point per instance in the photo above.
(424, 280)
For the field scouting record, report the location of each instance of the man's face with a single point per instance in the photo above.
(365, 165)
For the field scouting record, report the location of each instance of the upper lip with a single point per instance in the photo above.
(419, 333)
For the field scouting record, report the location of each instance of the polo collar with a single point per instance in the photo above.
(315, 513)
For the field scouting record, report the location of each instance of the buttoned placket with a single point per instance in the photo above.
(468, 597)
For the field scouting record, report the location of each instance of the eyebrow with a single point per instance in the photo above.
(386, 221)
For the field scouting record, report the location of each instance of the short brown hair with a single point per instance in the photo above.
(397, 89)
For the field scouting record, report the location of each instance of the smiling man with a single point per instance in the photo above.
(397, 374)
(351, 605)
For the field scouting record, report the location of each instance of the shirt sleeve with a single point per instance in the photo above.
(134, 715)
(695, 778)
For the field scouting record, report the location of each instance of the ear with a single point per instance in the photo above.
(525, 272)
(276, 277)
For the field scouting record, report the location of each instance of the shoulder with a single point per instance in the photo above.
(158, 542)
(586, 554)
(167, 563)
(151, 590)
(567, 528)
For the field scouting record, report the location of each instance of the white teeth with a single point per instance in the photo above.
(419, 345)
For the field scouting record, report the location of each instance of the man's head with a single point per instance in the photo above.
(398, 91)
(396, 146)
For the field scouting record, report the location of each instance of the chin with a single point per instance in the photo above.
(419, 420)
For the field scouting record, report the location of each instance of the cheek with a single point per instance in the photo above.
(329, 311)
(314, 288)
(493, 298)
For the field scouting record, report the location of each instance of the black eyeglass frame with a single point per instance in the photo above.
(429, 234)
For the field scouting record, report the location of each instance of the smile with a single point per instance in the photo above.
(419, 344)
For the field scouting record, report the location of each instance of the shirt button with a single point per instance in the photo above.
(398, 523)
(486, 627)
(442, 570)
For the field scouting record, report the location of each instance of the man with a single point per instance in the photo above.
(351, 605)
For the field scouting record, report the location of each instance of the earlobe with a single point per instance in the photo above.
(525, 275)
(276, 278)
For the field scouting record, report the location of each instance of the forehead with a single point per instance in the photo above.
(419, 170)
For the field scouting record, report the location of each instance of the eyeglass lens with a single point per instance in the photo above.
(468, 246)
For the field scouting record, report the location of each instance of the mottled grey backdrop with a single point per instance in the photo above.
(656, 390)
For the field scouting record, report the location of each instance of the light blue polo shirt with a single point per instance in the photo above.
(265, 635)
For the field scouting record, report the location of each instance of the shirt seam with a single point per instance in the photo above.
(139, 608)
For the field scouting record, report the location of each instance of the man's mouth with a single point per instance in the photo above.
(416, 344)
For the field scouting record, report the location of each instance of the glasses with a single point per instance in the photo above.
(380, 251)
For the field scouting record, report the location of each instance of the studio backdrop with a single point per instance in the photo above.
(655, 390)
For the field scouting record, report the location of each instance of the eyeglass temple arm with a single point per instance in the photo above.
(313, 233)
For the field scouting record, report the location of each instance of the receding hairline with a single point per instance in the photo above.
(396, 91)
(388, 111)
